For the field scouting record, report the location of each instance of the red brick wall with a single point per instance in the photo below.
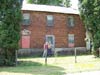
(60, 30)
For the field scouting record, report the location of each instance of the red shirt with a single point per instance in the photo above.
(45, 46)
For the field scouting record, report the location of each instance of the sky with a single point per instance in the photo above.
(74, 4)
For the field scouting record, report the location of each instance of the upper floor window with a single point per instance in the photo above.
(50, 21)
(26, 19)
(71, 21)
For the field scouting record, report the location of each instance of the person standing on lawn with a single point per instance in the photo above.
(49, 51)
(45, 49)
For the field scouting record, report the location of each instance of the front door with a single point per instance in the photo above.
(25, 41)
(51, 39)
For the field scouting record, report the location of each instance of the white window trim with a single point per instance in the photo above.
(52, 37)
(51, 20)
(26, 16)
(71, 35)
(71, 24)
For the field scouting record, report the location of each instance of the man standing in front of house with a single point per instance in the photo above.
(45, 49)
(49, 51)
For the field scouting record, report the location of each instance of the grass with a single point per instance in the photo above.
(56, 65)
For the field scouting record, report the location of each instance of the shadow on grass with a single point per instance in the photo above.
(28, 63)
(34, 68)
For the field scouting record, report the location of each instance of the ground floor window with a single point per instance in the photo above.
(70, 40)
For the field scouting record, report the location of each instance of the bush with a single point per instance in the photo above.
(2, 58)
(96, 52)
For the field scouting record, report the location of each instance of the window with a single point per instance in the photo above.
(50, 20)
(26, 19)
(71, 40)
(71, 21)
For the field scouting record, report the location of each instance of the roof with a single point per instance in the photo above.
(48, 8)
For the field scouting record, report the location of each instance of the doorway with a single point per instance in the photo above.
(51, 39)
(25, 41)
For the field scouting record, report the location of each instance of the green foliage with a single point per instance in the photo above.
(67, 3)
(9, 29)
(90, 13)
(1, 57)
(51, 2)
(28, 63)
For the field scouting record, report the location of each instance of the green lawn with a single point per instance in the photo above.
(56, 65)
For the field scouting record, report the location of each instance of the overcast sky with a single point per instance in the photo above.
(74, 4)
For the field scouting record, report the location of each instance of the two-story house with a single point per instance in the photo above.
(59, 25)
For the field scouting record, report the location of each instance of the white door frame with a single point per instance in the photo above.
(52, 37)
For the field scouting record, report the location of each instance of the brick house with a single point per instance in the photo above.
(59, 25)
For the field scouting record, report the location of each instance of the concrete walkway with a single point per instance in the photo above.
(86, 73)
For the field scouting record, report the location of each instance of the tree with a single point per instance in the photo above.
(10, 20)
(67, 3)
(51, 2)
(90, 13)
